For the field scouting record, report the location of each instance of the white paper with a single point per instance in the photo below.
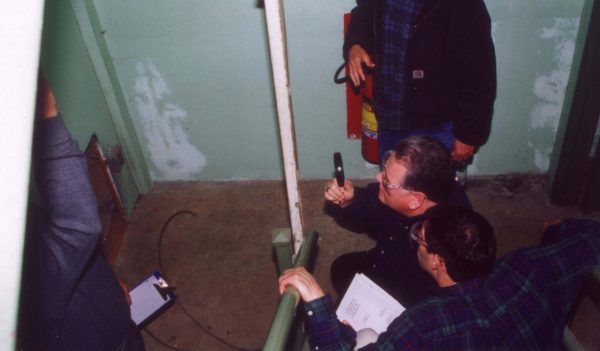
(367, 306)
(145, 298)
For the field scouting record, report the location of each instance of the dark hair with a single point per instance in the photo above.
(429, 167)
(463, 238)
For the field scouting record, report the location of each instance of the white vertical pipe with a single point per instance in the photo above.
(276, 30)
(20, 32)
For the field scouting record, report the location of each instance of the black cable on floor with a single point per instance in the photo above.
(158, 340)
(164, 273)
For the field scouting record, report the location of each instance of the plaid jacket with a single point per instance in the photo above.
(436, 68)
(522, 304)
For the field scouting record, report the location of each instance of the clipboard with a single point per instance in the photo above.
(150, 298)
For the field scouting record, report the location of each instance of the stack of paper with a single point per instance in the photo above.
(367, 306)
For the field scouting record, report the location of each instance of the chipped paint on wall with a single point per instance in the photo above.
(549, 89)
(541, 158)
(163, 122)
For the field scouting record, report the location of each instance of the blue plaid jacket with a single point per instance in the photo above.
(522, 304)
(435, 63)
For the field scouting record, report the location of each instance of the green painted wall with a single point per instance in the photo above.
(83, 105)
(196, 81)
(196, 76)
(582, 35)
(534, 43)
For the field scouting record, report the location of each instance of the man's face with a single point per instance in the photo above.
(418, 239)
(422, 254)
(391, 180)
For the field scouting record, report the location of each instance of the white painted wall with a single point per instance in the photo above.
(20, 32)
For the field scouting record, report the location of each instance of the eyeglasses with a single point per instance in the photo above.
(415, 240)
(384, 179)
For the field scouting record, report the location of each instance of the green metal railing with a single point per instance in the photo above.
(285, 316)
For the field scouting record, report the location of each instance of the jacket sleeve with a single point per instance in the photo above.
(326, 332)
(324, 329)
(474, 60)
(68, 238)
(361, 28)
(569, 251)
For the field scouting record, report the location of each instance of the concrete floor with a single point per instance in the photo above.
(220, 260)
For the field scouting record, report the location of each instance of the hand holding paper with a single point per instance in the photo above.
(367, 306)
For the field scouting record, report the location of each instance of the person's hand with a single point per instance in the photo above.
(462, 151)
(339, 196)
(303, 281)
(46, 102)
(356, 57)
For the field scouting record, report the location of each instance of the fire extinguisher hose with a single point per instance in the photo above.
(336, 77)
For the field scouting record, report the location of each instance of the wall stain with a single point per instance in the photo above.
(163, 123)
(549, 88)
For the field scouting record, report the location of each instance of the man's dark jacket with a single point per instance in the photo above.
(451, 46)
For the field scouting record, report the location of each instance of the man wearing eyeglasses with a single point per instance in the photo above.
(414, 177)
(519, 303)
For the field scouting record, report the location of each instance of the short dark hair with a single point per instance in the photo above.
(429, 167)
(463, 238)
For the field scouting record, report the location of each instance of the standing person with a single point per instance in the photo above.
(435, 69)
(71, 299)
(521, 302)
(415, 177)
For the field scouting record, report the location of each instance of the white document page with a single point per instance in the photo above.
(145, 298)
(366, 305)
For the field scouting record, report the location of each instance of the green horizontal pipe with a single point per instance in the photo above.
(307, 249)
(282, 323)
(284, 316)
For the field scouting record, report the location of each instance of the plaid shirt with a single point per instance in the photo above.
(522, 304)
(397, 21)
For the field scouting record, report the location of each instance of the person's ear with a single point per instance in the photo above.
(417, 200)
(438, 262)
(432, 261)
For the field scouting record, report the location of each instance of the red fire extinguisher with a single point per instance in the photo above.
(369, 145)
(361, 121)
